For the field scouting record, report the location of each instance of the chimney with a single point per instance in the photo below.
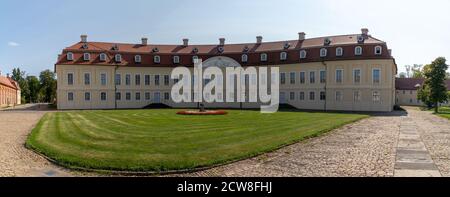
(7, 75)
(365, 31)
(185, 42)
(301, 36)
(83, 38)
(222, 41)
(144, 41)
(259, 39)
(1, 73)
(390, 52)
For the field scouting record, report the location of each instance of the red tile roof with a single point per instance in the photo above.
(412, 83)
(9, 82)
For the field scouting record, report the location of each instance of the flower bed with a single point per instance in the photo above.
(208, 112)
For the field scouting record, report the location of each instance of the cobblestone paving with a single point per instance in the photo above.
(366, 148)
(15, 159)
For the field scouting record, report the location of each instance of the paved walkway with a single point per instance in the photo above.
(413, 143)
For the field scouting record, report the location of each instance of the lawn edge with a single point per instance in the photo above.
(29, 145)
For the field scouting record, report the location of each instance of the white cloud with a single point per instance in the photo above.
(13, 44)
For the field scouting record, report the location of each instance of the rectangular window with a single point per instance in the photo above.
(302, 96)
(356, 96)
(157, 80)
(87, 78)
(103, 96)
(357, 76)
(87, 96)
(103, 79)
(376, 76)
(323, 96)
(302, 78)
(376, 96)
(147, 80)
(323, 76)
(339, 76)
(118, 79)
(166, 96)
(312, 77)
(292, 96)
(127, 96)
(312, 96)
(166, 80)
(138, 96)
(292, 77)
(127, 79)
(282, 78)
(147, 96)
(118, 96)
(70, 79)
(339, 96)
(137, 80)
(70, 96)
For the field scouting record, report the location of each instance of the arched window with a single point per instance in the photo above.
(339, 51)
(70, 56)
(283, 56)
(323, 52)
(176, 59)
(137, 58)
(263, 57)
(378, 50)
(102, 57)
(358, 50)
(302, 54)
(244, 58)
(156, 59)
(118, 58)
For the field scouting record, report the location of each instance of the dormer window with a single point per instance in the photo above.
(283, 56)
(246, 49)
(84, 46)
(157, 59)
(102, 57)
(323, 52)
(378, 50)
(263, 57)
(360, 39)
(155, 50)
(137, 58)
(220, 49)
(302, 54)
(339, 51)
(286, 45)
(176, 59)
(358, 50)
(195, 50)
(70, 56)
(244, 58)
(86, 56)
(195, 59)
(118, 58)
(115, 47)
(327, 42)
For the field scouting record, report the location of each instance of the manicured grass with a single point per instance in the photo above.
(161, 140)
(444, 112)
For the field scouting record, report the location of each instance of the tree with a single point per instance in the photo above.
(48, 86)
(417, 71)
(434, 89)
(19, 76)
(34, 88)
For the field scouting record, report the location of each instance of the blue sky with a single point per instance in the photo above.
(32, 33)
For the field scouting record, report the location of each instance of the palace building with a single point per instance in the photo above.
(407, 89)
(346, 72)
(9, 92)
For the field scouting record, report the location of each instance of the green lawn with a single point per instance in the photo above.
(160, 140)
(444, 112)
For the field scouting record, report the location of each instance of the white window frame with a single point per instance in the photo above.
(303, 54)
(244, 58)
(336, 76)
(314, 95)
(86, 56)
(126, 75)
(176, 59)
(292, 80)
(106, 96)
(301, 96)
(118, 58)
(194, 59)
(156, 59)
(106, 79)
(323, 52)
(378, 48)
(90, 96)
(354, 76)
(136, 96)
(300, 77)
(320, 76)
(84, 78)
(356, 96)
(126, 94)
(283, 56)
(309, 77)
(69, 56)
(338, 96)
(376, 96)
(149, 96)
(73, 78)
(73, 96)
(137, 58)
(102, 57)
(263, 57)
(360, 50)
(284, 74)
(339, 52)
(324, 95)
(373, 78)
(140, 79)
(119, 82)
